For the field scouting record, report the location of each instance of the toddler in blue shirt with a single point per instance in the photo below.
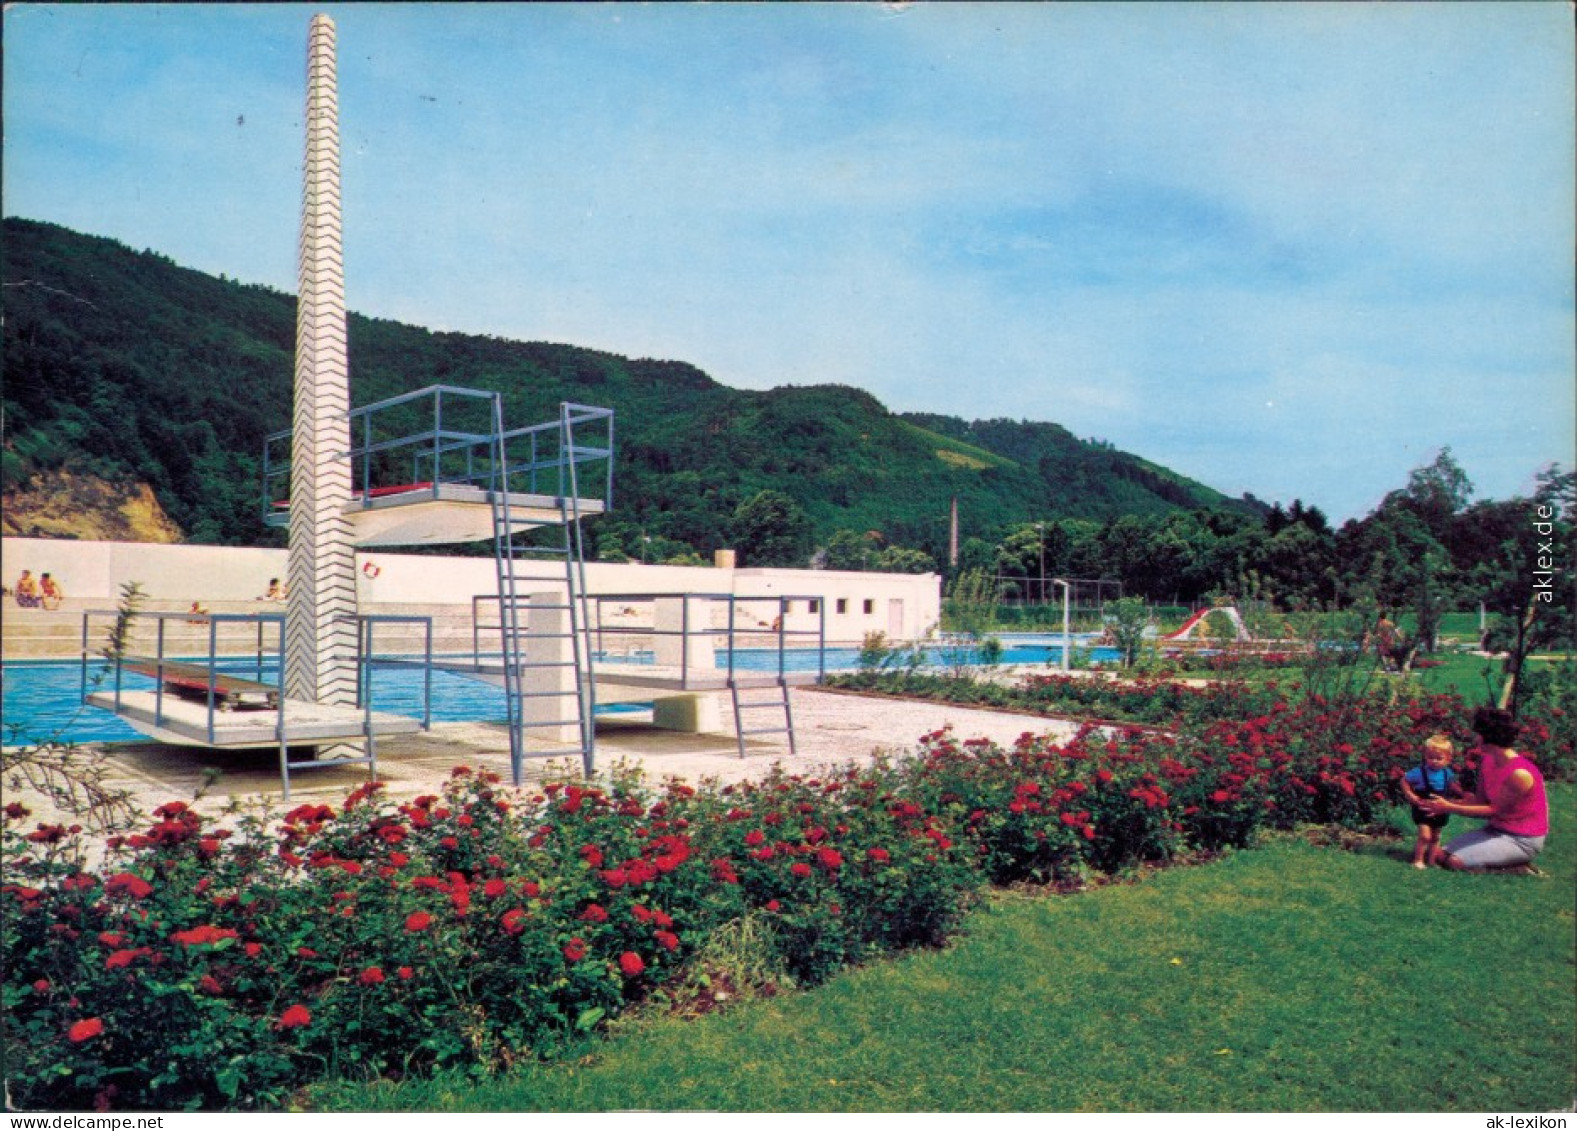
(1433, 777)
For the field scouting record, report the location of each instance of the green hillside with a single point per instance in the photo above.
(127, 365)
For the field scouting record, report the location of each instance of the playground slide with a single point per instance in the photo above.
(1182, 633)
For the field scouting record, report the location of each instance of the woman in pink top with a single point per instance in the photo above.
(1510, 793)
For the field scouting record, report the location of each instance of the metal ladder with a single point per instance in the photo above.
(781, 702)
(520, 630)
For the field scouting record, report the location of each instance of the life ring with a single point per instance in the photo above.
(371, 570)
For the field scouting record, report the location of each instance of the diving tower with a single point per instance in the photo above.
(439, 465)
(434, 466)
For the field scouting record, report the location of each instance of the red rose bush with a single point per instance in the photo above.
(210, 963)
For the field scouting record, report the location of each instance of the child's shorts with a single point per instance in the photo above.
(1436, 821)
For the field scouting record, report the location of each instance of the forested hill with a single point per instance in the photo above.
(123, 365)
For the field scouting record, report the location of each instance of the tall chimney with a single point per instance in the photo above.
(952, 540)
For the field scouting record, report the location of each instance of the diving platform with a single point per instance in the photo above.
(436, 466)
(233, 696)
(681, 652)
(185, 721)
(439, 513)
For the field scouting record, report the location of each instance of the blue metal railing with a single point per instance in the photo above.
(457, 447)
(751, 623)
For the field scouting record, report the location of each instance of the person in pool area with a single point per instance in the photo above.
(1509, 793)
(27, 591)
(1433, 777)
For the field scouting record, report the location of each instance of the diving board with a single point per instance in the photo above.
(200, 681)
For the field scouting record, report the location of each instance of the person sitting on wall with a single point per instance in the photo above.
(199, 615)
(50, 593)
(26, 591)
(275, 592)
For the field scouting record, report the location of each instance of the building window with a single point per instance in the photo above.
(870, 606)
(813, 607)
(843, 605)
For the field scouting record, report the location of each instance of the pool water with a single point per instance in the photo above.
(41, 699)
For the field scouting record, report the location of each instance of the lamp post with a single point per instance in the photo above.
(1067, 642)
(1040, 528)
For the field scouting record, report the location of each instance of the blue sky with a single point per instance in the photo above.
(1287, 249)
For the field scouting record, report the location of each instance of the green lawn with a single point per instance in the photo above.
(1287, 978)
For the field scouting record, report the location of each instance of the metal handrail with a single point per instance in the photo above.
(778, 629)
(480, 450)
(367, 660)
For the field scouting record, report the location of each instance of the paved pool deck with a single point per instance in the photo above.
(832, 729)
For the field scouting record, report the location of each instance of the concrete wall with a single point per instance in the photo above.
(904, 606)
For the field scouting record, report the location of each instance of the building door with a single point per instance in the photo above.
(895, 618)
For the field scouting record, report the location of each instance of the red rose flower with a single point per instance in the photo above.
(294, 1018)
(85, 1030)
(371, 976)
(202, 936)
(631, 964)
(132, 885)
(418, 921)
(123, 958)
(575, 950)
(801, 869)
(405, 973)
(667, 940)
(594, 914)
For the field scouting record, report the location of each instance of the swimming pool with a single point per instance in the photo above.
(41, 699)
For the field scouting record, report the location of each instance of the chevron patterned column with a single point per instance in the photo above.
(320, 626)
